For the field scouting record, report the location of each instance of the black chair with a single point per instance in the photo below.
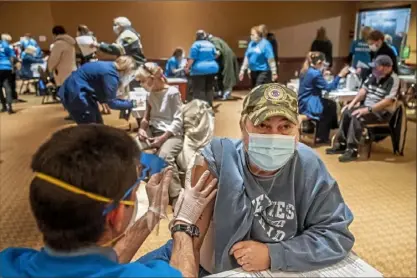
(396, 128)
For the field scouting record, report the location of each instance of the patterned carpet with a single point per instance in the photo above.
(381, 191)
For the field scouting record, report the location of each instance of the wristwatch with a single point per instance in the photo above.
(370, 109)
(191, 230)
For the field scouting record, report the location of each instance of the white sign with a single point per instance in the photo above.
(139, 95)
(85, 42)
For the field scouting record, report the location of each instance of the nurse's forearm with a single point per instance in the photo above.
(135, 236)
(244, 65)
(120, 104)
(182, 257)
(272, 66)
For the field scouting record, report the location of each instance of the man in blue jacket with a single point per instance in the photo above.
(7, 57)
(83, 197)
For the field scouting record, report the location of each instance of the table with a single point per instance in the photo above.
(408, 78)
(341, 95)
(351, 266)
(181, 84)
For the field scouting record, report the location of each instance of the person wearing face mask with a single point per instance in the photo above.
(277, 207)
(310, 100)
(83, 196)
(176, 64)
(259, 59)
(379, 47)
(359, 49)
(376, 99)
(202, 67)
(97, 82)
(162, 126)
(128, 41)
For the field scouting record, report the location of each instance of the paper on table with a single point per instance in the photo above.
(140, 96)
(35, 69)
(84, 43)
(351, 266)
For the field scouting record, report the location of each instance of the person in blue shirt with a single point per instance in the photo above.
(97, 82)
(259, 59)
(83, 196)
(202, 67)
(7, 58)
(28, 59)
(388, 40)
(310, 100)
(176, 64)
(359, 49)
(28, 40)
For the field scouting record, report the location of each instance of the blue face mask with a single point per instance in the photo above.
(270, 152)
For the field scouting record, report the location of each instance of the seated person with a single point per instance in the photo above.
(176, 64)
(28, 59)
(96, 234)
(277, 206)
(310, 100)
(378, 94)
(161, 128)
(97, 82)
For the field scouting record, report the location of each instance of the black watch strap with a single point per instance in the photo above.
(191, 230)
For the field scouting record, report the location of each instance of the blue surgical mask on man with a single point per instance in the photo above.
(270, 152)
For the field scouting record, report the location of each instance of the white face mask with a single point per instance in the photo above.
(125, 80)
(116, 29)
(270, 152)
(373, 48)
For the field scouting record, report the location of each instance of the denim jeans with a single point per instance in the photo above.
(163, 253)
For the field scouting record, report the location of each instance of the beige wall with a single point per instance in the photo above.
(165, 25)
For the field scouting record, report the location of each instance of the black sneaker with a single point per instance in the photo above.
(337, 148)
(349, 155)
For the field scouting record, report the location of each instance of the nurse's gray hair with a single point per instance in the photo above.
(122, 21)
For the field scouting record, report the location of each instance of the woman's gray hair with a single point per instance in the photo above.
(122, 21)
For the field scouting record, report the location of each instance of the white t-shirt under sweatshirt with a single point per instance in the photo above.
(165, 112)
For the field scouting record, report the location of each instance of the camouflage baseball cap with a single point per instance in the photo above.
(269, 100)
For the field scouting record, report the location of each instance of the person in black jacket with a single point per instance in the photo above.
(379, 47)
(324, 45)
(272, 40)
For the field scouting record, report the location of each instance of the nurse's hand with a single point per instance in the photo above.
(142, 134)
(241, 76)
(274, 77)
(251, 255)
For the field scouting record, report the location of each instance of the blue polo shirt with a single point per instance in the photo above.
(258, 54)
(91, 262)
(203, 53)
(361, 52)
(172, 64)
(6, 54)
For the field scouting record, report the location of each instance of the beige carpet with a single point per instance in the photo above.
(381, 191)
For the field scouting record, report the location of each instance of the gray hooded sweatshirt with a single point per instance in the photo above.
(299, 212)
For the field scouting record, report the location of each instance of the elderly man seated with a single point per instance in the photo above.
(378, 94)
(83, 196)
(277, 206)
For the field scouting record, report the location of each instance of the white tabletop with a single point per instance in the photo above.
(408, 78)
(351, 266)
(177, 80)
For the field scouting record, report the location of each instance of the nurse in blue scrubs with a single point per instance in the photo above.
(259, 59)
(310, 100)
(203, 68)
(176, 64)
(97, 82)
